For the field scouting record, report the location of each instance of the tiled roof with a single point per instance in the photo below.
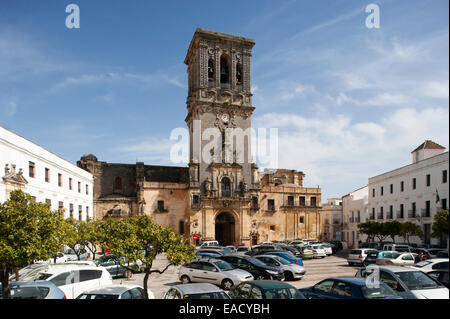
(429, 145)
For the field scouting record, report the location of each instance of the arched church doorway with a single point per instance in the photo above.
(225, 229)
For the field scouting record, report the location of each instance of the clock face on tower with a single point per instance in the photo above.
(225, 118)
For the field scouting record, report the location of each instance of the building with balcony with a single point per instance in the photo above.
(354, 211)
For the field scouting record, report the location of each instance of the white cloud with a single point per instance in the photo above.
(437, 90)
(388, 99)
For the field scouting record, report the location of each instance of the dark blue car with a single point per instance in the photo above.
(286, 255)
(349, 288)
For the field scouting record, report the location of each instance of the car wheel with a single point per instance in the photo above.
(288, 276)
(185, 279)
(227, 284)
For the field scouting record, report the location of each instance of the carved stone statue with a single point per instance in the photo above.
(244, 188)
(208, 183)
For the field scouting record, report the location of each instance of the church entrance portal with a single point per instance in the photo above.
(225, 229)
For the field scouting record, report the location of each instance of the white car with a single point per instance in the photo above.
(318, 251)
(73, 278)
(432, 264)
(357, 256)
(328, 249)
(396, 259)
(116, 292)
(209, 243)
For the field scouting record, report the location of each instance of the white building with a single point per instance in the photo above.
(354, 210)
(332, 219)
(44, 175)
(414, 192)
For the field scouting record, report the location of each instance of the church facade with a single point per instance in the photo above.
(221, 195)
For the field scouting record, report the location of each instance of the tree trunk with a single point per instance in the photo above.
(17, 274)
(147, 275)
(4, 278)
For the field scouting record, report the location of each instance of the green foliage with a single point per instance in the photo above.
(28, 231)
(409, 229)
(392, 229)
(440, 224)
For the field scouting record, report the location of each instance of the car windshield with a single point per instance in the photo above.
(256, 262)
(209, 295)
(242, 249)
(283, 293)
(223, 265)
(282, 260)
(41, 276)
(97, 296)
(289, 254)
(378, 292)
(416, 280)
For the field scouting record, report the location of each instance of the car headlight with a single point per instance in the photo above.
(272, 272)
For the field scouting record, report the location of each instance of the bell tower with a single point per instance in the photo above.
(219, 107)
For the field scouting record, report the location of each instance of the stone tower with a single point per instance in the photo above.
(219, 107)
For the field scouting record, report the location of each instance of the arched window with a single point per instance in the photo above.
(238, 74)
(118, 183)
(224, 71)
(211, 70)
(226, 187)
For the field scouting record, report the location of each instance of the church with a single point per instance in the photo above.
(217, 198)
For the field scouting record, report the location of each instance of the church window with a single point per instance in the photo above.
(226, 187)
(118, 183)
(224, 72)
(238, 74)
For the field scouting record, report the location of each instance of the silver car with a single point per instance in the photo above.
(195, 291)
(213, 271)
(291, 271)
(116, 292)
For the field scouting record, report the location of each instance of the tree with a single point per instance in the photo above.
(29, 231)
(392, 229)
(440, 224)
(369, 228)
(409, 229)
(139, 238)
(78, 233)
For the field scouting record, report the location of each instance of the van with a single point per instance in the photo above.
(210, 243)
(399, 248)
(74, 279)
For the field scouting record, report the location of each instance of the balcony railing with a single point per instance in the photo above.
(380, 216)
(411, 214)
(424, 213)
(400, 214)
(372, 217)
(390, 215)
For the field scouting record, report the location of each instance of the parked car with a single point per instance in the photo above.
(237, 245)
(255, 267)
(265, 289)
(421, 252)
(214, 271)
(357, 256)
(376, 245)
(327, 248)
(286, 255)
(440, 275)
(195, 291)
(442, 254)
(211, 254)
(397, 247)
(209, 243)
(294, 251)
(407, 282)
(34, 290)
(349, 288)
(116, 292)
(29, 272)
(297, 242)
(395, 258)
(112, 264)
(305, 252)
(259, 249)
(221, 249)
(318, 251)
(71, 255)
(337, 245)
(432, 264)
(218, 252)
(371, 258)
(231, 248)
(291, 271)
(434, 252)
(73, 279)
(242, 250)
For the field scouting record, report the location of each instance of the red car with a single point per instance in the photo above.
(236, 245)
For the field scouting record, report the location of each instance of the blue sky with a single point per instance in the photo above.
(349, 102)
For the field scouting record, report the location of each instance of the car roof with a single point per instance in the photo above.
(54, 268)
(359, 281)
(195, 288)
(270, 284)
(397, 268)
(111, 290)
(40, 283)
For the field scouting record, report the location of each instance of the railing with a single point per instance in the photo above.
(400, 214)
(425, 213)
(380, 216)
(372, 217)
(390, 215)
(411, 214)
